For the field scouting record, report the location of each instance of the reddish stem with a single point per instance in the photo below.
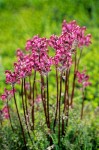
(26, 104)
(59, 108)
(82, 108)
(23, 105)
(74, 78)
(56, 101)
(30, 86)
(48, 101)
(65, 100)
(33, 98)
(19, 119)
(43, 100)
(9, 116)
(76, 66)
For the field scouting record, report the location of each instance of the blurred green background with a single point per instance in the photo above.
(22, 19)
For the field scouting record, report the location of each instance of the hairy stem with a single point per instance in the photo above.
(82, 108)
(65, 100)
(43, 100)
(19, 120)
(33, 98)
(56, 101)
(59, 108)
(79, 59)
(26, 104)
(30, 87)
(48, 101)
(76, 66)
(23, 105)
(74, 79)
(10, 116)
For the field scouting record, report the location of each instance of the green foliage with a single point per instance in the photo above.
(10, 140)
(79, 135)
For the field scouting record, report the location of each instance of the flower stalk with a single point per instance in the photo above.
(20, 120)
(33, 98)
(57, 102)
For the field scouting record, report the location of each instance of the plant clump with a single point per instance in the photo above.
(32, 72)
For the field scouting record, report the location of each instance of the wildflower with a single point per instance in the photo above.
(19, 53)
(27, 86)
(37, 44)
(63, 57)
(76, 32)
(5, 112)
(83, 78)
(38, 99)
(24, 66)
(11, 77)
(8, 94)
(39, 54)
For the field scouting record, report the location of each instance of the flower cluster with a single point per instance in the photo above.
(38, 59)
(39, 54)
(11, 77)
(72, 31)
(38, 99)
(64, 45)
(24, 65)
(8, 94)
(5, 112)
(83, 78)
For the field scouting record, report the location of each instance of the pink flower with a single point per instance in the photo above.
(39, 59)
(8, 94)
(63, 55)
(76, 32)
(85, 84)
(27, 86)
(37, 44)
(83, 78)
(5, 112)
(38, 99)
(3, 97)
(11, 77)
(19, 53)
(52, 42)
(24, 65)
